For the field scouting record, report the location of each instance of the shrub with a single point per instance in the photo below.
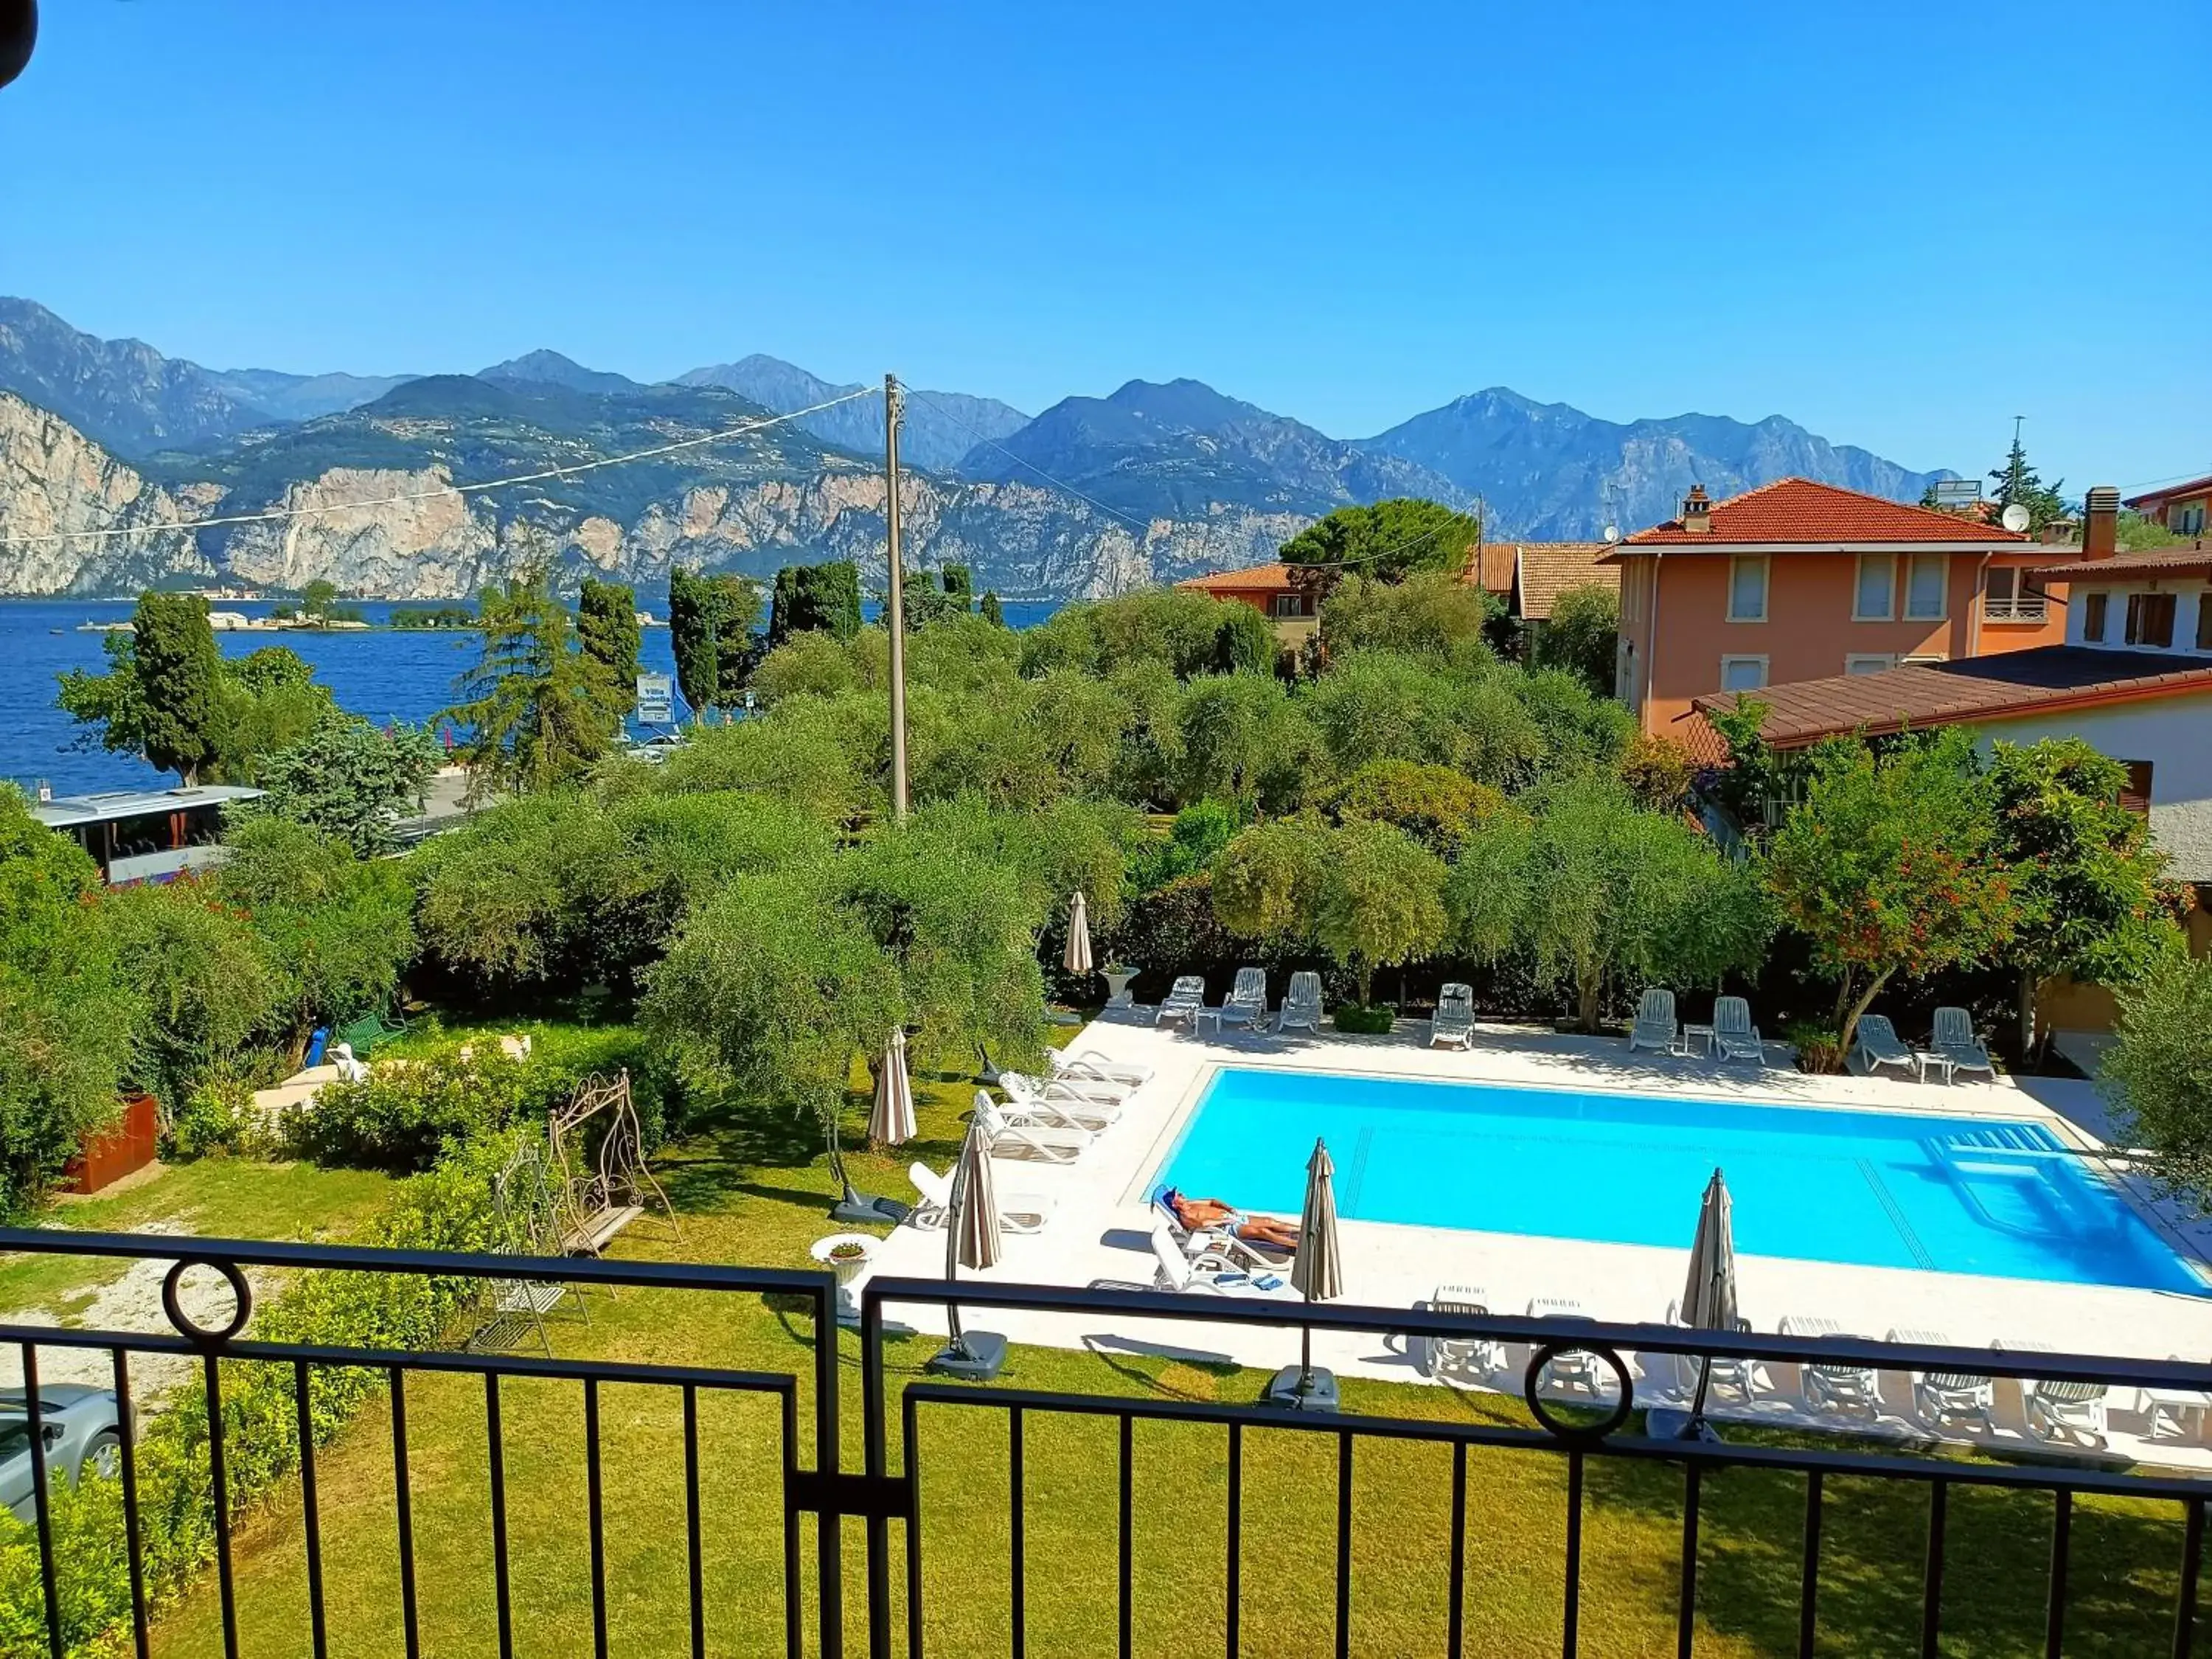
(1819, 1047)
(1363, 1020)
(2158, 1074)
(215, 1117)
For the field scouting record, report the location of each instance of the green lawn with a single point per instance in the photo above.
(216, 1197)
(760, 1197)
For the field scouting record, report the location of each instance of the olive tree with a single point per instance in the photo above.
(2159, 1073)
(1595, 893)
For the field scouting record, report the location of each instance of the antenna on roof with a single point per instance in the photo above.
(2015, 517)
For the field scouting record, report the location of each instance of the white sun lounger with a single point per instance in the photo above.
(1047, 1143)
(1733, 1034)
(1054, 1107)
(1655, 1026)
(1453, 1024)
(1877, 1043)
(1944, 1400)
(1018, 1212)
(1247, 1001)
(1574, 1370)
(2064, 1413)
(1093, 1063)
(1462, 1359)
(1953, 1040)
(1838, 1388)
(1215, 1242)
(1301, 1003)
(1730, 1374)
(1183, 1000)
(1212, 1276)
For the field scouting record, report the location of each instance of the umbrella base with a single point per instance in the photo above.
(859, 1206)
(1319, 1393)
(1668, 1423)
(977, 1356)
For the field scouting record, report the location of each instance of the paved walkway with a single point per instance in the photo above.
(1098, 1231)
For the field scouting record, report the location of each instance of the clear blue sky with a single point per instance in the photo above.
(1900, 224)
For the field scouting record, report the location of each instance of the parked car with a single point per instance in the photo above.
(82, 1431)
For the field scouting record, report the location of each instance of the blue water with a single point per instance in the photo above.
(1878, 1189)
(383, 675)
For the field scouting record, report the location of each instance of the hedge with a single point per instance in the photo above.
(448, 1208)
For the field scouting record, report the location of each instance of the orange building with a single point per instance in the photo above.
(1799, 580)
(1293, 604)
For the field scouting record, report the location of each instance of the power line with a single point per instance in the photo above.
(1141, 524)
(277, 514)
(2178, 478)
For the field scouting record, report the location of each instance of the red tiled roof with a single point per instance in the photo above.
(1800, 510)
(2047, 678)
(2146, 562)
(2172, 492)
(1255, 578)
(1547, 569)
(1495, 573)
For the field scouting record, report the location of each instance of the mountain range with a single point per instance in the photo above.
(1151, 483)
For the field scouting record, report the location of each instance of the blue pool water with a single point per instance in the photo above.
(1879, 1189)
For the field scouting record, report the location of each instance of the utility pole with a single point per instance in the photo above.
(894, 599)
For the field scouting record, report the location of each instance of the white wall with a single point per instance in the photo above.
(2175, 734)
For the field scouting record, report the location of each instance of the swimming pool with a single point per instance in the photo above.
(1879, 1189)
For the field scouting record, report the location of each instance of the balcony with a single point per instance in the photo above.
(479, 1501)
(2027, 608)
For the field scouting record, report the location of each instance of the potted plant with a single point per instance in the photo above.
(1118, 976)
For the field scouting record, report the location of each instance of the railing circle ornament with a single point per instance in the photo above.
(1577, 1434)
(241, 1296)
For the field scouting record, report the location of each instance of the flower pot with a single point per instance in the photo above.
(1117, 986)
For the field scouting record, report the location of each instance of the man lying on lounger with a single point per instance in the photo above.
(1198, 1214)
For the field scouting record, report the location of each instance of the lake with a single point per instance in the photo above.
(383, 675)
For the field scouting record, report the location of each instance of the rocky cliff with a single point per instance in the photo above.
(55, 481)
(419, 543)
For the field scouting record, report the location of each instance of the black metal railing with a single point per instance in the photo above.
(892, 1500)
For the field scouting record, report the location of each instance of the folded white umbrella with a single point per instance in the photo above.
(1709, 1296)
(971, 1228)
(1317, 1270)
(1077, 958)
(890, 1122)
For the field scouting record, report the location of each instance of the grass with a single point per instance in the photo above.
(215, 1198)
(757, 1194)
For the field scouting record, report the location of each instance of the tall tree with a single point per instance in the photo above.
(1582, 636)
(606, 623)
(2093, 902)
(1599, 895)
(539, 710)
(2159, 1073)
(264, 701)
(2017, 480)
(808, 596)
(691, 636)
(991, 611)
(737, 612)
(349, 779)
(1889, 868)
(1387, 541)
(179, 670)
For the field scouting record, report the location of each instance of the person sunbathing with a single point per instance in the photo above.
(1201, 1214)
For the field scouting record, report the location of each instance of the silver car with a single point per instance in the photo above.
(82, 1432)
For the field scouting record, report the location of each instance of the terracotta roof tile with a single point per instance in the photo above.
(1800, 510)
(1547, 569)
(2047, 678)
(2148, 561)
(1254, 579)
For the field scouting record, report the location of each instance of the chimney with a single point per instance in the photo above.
(1697, 511)
(2100, 522)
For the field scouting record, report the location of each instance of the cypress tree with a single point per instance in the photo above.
(179, 671)
(691, 636)
(606, 623)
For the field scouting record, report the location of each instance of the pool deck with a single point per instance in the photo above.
(1098, 1230)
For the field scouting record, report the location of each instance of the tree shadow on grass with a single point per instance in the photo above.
(2121, 1588)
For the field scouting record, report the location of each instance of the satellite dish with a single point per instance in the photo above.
(1612, 533)
(2016, 518)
